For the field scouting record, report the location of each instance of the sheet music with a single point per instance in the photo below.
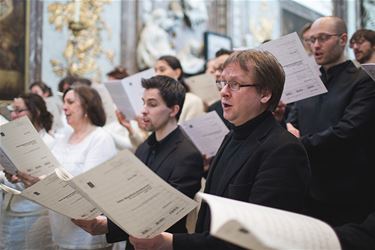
(370, 69)
(204, 86)
(259, 227)
(127, 93)
(5, 163)
(57, 195)
(133, 196)
(301, 78)
(25, 149)
(108, 104)
(206, 132)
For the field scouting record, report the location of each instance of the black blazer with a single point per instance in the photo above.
(271, 169)
(358, 236)
(337, 130)
(179, 163)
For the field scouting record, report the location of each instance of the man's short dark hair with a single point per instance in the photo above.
(268, 72)
(171, 91)
(368, 35)
(221, 52)
(118, 73)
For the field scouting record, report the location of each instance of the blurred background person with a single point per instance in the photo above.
(221, 56)
(363, 44)
(305, 36)
(25, 224)
(171, 66)
(54, 105)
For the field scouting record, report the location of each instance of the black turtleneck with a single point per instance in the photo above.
(238, 136)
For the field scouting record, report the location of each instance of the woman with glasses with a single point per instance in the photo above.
(171, 66)
(25, 225)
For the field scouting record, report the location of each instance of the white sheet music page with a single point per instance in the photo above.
(120, 98)
(370, 69)
(108, 104)
(259, 228)
(204, 86)
(24, 147)
(133, 196)
(5, 163)
(127, 93)
(206, 132)
(301, 78)
(57, 195)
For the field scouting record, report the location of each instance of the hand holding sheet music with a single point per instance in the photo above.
(22, 148)
(56, 194)
(122, 188)
(259, 228)
(127, 93)
(133, 196)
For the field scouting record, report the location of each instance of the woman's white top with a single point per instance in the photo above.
(94, 149)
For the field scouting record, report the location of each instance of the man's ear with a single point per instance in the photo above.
(174, 110)
(265, 96)
(343, 39)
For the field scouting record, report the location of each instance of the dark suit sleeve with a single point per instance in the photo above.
(292, 116)
(115, 233)
(358, 236)
(187, 172)
(282, 179)
(355, 118)
(281, 182)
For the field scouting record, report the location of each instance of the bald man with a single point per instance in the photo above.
(337, 130)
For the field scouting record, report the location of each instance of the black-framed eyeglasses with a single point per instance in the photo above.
(233, 85)
(320, 38)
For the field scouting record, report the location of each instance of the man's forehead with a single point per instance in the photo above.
(149, 94)
(234, 70)
(322, 26)
(221, 59)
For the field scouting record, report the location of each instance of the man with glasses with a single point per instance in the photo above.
(363, 45)
(258, 161)
(337, 130)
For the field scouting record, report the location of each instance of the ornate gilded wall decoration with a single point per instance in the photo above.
(84, 44)
(12, 48)
(174, 29)
(261, 26)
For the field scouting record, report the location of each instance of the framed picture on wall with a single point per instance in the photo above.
(215, 41)
(12, 48)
